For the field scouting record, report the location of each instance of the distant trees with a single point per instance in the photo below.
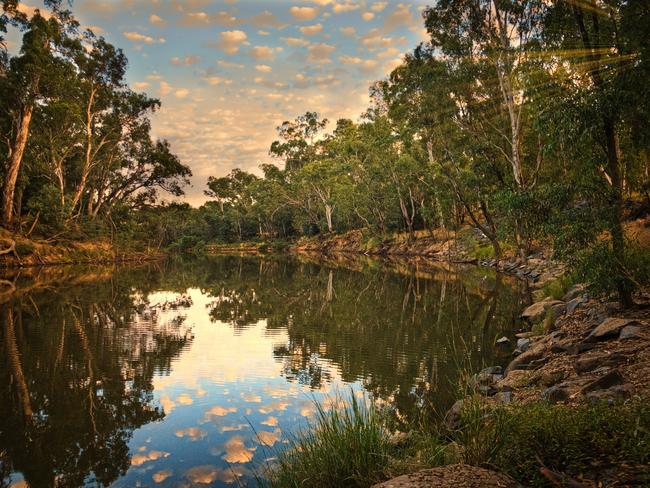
(74, 139)
(528, 120)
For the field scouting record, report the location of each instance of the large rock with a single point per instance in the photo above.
(612, 378)
(573, 292)
(537, 311)
(633, 332)
(609, 328)
(593, 361)
(535, 353)
(451, 476)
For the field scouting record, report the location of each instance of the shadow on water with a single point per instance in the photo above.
(82, 347)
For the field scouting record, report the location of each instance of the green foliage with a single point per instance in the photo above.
(347, 446)
(569, 440)
(557, 288)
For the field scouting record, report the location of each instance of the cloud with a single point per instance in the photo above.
(265, 52)
(161, 476)
(202, 19)
(141, 85)
(271, 421)
(188, 60)
(266, 19)
(237, 452)
(139, 459)
(194, 433)
(230, 41)
(304, 13)
(268, 438)
(348, 31)
(216, 80)
(400, 17)
(296, 41)
(367, 16)
(320, 53)
(366, 65)
(378, 6)
(311, 30)
(263, 68)
(303, 82)
(218, 411)
(345, 7)
(165, 88)
(137, 37)
(228, 64)
(157, 20)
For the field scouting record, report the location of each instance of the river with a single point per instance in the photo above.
(195, 372)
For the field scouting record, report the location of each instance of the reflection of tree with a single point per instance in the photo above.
(77, 380)
(405, 333)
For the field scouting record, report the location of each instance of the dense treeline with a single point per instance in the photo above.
(528, 120)
(76, 144)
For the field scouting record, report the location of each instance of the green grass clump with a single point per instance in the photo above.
(568, 440)
(557, 288)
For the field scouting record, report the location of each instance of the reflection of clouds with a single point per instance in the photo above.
(185, 399)
(268, 438)
(139, 459)
(251, 398)
(271, 421)
(193, 433)
(167, 403)
(205, 474)
(232, 428)
(219, 411)
(281, 406)
(237, 452)
(161, 476)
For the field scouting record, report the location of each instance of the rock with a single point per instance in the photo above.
(609, 328)
(580, 347)
(504, 397)
(611, 395)
(573, 305)
(503, 341)
(451, 476)
(555, 394)
(515, 379)
(631, 332)
(524, 335)
(558, 347)
(452, 418)
(537, 310)
(551, 378)
(535, 352)
(559, 309)
(613, 378)
(523, 344)
(573, 292)
(590, 363)
(493, 370)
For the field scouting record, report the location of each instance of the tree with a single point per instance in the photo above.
(296, 146)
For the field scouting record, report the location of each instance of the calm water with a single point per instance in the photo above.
(194, 373)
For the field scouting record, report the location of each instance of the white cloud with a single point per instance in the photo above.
(141, 85)
(181, 93)
(304, 13)
(263, 68)
(320, 53)
(296, 41)
(157, 20)
(378, 6)
(367, 16)
(345, 7)
(311, 30)
(264, 52)
(230, 41)
(187, 60)
(348, 31)
(137, 37)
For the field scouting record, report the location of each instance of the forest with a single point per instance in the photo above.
(527, 121)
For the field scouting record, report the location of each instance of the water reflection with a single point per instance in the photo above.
(157, 375)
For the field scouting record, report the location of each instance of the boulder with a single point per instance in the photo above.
(612, 378)
(573, 292)
(452, 419)
(536, 311)
(609, 328)
(551, 378)
(632, 332)
(573, 305)
(611, 395)
(503, 341)
(591, 362)
(555, 394)
(534, 353)
(523, 344)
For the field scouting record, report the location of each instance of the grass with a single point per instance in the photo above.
(350, 446)
(557, 288)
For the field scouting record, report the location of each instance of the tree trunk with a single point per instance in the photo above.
(329, 210)
(15, 366)
(89, 147)
(13, 164)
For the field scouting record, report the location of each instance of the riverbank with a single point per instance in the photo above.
(20, 252)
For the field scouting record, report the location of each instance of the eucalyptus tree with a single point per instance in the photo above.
(297, 140)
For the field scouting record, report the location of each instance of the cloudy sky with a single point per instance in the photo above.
(229, 71)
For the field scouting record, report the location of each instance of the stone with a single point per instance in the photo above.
(493, 370)
(631, 332)
(524, 335)
(551, 378)
(504, 397)
(573, 305)
(613, 378)
(610, 395)
(558, 347)
(536, 311)
(591, 363)
(535, 352)
(559, 309)
(515, 379)
(555, 394)
(503, 341)
(523, 344)
(573, 292)
(453, 416)
(609, 328)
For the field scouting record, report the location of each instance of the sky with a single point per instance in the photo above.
(228, 72)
